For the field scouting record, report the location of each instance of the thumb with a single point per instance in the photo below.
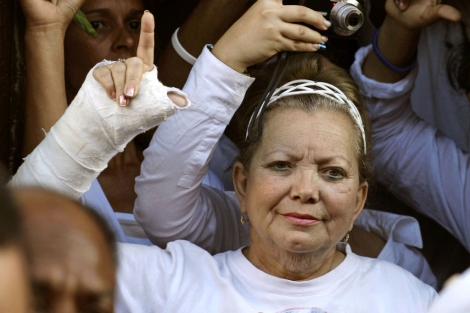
(437, 12)
(146, 47)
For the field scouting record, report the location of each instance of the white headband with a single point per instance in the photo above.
(309, 87)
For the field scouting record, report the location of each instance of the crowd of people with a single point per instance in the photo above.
(229, 206)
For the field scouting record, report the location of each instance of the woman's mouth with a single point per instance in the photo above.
(300, 219)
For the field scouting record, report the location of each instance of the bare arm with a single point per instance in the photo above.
(398, 37)
(206, 24)
(46, 101)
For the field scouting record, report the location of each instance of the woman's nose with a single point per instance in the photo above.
(305, 187)
(125, 41)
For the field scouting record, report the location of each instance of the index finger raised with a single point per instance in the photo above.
(146, 47)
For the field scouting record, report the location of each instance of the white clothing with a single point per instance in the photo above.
(403, 237)
(433, 97)
(454, 298)
(90, 132)
(415, 161)
(186, 278)
(125, 227)
(172, 204)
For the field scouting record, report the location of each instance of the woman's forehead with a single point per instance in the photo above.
(325, 131)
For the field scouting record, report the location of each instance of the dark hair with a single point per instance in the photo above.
(458, 64)
(302, 66)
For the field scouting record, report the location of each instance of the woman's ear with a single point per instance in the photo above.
(239, 183)
(360, 201)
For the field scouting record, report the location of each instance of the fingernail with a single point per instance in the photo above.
(322, 47)
(401, 4)
(325, 39)
(113, 95)
(146, 11)
(327, 23)
(130, 91)
(122, 101)
(316, 46)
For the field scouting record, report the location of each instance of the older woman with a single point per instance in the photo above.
(300, 187)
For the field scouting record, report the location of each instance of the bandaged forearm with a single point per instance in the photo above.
(92, 130)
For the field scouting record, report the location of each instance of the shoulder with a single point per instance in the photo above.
(391, 278)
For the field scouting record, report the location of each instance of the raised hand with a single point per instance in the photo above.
(267, 28)
(45, 15)
(417, 14)
(121, 80)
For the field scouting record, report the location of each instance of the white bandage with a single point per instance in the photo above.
(91, 131)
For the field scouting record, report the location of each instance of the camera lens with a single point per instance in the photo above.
(353, 20)
(347, 17)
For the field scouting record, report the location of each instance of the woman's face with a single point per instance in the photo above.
(117, 23)
(302, 191)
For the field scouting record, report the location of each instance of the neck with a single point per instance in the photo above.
(291, 265)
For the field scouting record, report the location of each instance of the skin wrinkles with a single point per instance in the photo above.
(309, 146)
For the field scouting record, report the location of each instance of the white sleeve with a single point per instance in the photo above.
(91, 131)
(171, 201)
(413, 159)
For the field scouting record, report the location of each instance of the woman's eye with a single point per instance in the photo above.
(335, 174)
(280, 166)
(134, 25)
(96, 25)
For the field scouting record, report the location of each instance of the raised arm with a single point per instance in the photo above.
(412, 159)
(171, 201)
(46, 100)
(94, 128)
(206, 24)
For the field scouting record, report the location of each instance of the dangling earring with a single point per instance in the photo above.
(346, 238)
(244, 220)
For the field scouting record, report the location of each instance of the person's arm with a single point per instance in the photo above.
(46, 101)
(206, 24)
(171, 201)
(94, 128)
(412, 159)
(398, 37)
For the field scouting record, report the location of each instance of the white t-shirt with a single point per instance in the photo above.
(186, 278)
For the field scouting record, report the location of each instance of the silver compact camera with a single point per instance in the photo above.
(346, 16)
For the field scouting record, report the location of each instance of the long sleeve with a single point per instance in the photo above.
(411, 158)
(172, 203)
(92, 130)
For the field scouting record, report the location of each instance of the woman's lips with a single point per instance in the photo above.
(300, 219)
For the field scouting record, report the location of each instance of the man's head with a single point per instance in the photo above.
(14, 280)
(72, 254)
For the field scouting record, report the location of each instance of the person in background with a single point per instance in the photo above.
(72, 252)
(15, 292)
(415, 161)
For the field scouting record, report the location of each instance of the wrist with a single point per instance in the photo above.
(52, 30)
(397, 44)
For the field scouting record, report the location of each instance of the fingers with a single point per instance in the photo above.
(104, 77)
(402, 5)
(145, 50)
(302, 37)
(438, 12)
(118, 73)
(133, 76)
(301, 14)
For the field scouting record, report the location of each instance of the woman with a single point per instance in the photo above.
(300, 188)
